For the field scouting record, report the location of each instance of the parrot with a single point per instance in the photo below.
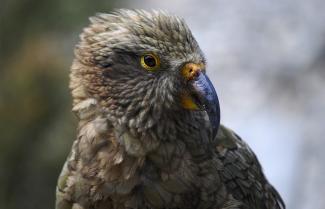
(149, 133)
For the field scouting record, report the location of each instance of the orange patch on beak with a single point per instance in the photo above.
(188, 103)
(189, 72)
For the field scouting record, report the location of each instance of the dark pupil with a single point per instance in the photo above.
(149, 60)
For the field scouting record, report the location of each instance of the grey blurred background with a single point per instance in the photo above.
(266, 60)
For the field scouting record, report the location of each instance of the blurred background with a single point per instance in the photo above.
(266, 59)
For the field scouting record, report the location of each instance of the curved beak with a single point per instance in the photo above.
(201, 94)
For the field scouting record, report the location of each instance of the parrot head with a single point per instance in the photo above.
(139, 65)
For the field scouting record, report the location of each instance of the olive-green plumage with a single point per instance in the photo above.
(137, 147)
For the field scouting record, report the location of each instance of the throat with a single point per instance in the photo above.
(142, 131)
(141, 136)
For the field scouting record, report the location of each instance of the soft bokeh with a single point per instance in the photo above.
(266, 59)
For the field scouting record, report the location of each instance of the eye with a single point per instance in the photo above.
(150, 61)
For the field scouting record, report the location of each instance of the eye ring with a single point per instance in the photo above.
(150, 61)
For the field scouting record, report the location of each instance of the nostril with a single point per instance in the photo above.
(195, 72)
(191, 71)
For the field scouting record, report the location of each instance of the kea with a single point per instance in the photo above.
(149, 133)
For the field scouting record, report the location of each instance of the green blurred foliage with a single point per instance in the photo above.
(37, 126)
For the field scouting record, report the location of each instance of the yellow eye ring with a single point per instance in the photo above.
(150, 61)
